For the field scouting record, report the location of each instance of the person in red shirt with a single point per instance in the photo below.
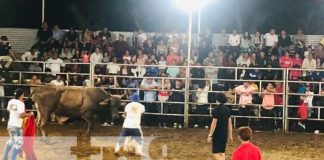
(246, 151)
(286, 61)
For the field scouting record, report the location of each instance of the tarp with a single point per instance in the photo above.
(29, 133)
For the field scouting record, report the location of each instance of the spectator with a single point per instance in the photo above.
(152, 58)
(127, 56)
(308, 63)
(105, 36)
(300, 40)
(286, 61)
(162, 63)
(223, 41)
(319, 52)
(161, 48)
(271, 40)
(58, 35)
(284, 42)
(6, 54)
(85, 46)
(149, 85)
(113, 68)
(141, 38)
(71, 39)
(211, 58)
(234, 42)
(125, 68)
(309, 50)
(120, 47)
(269, 74)
(30, 55)
(246, 151)
(96, 58)
(243, 59)
(34, 81)
(139, 60)
(317, 76)
(202, 98)
(211, 73)
(274, 61)
(152, 70)
(174, 45)
(220, 128)
(197, 73)
(261, 60)
(2, 100)
(148, 47)
(164, 86)
(106, 58)
(75, 81)
(173, 71)
(297, 61)
(219, 55)
(278, 98)
(257, 42)
(246, 42)
(55, 64)
(253, 59)
(172, 56)
(322, 41)
(245, 91)
(253, 74)
(58, 81)
(44, 39)
(267, 107)
(66, 54)
(177, 95)
(203, 51)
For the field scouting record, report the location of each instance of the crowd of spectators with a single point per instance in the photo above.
(166, 55)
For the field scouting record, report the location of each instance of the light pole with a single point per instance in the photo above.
(190, 6)
(43, 11)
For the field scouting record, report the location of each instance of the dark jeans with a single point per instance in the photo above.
(135, 133)
(267, 123)
(243, 121)
(234, 49)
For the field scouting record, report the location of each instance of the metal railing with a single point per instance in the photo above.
(188, 103)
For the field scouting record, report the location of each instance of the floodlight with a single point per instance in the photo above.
(190, 5)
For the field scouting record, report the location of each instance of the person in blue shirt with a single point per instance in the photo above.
(152, 70)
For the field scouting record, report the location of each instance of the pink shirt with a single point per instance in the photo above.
(245, 94)
(297, 61)
(170, 58)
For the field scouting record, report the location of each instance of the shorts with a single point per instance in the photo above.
(218, 146)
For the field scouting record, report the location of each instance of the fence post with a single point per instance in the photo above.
(285, 99)
(91, 67)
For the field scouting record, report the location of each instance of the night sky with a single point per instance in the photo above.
(161, 15)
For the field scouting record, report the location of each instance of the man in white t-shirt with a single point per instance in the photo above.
(16, 107)
(58, 81)
(271, 40)
(132, 125)
(234, 41)
(55, 64)
(113, 68)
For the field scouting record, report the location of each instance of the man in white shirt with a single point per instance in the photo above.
(96, 57)
(271, 40)
(58, 34)
(113, 68)
(30, 55)
(132, 125)
(16, 107)
(58, 81)
(234, 42)
(141, 37)
(55, 64)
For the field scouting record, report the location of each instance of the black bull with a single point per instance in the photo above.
(66, 102)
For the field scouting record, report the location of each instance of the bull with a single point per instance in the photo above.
(78, 102)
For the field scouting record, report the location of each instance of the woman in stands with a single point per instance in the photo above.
(220, 128)
(267, 107)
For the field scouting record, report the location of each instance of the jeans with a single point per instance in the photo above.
(15, 142)
(135, 133)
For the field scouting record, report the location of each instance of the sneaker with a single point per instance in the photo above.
(196, 126)
(302, 125)
(180, 126)
(164, 125)
(175, 125)
(3, 119)
(206, 127)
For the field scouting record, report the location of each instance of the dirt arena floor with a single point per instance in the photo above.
(191, 144)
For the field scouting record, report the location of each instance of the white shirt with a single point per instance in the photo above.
(96, 57)
(270, 39)
(58, 35)
(15, 107)
(134, 111)
(113, 68)
(142, 38)
(162, 64)
(234, 40)
(57, 83)
(27, 56)
(309, 64)
(55, 65)
(202, 95)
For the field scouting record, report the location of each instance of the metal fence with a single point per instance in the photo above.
(20, 79)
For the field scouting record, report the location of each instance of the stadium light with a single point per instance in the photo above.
(189, 6)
